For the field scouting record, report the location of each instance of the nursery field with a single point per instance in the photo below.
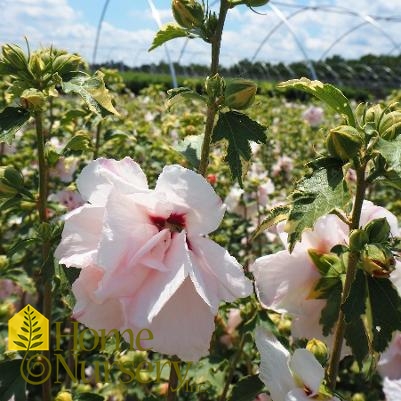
(209, 242)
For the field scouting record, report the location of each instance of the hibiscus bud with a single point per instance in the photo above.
(377, 261)
(358, 239)
(10, 180)
(66, 63)
(318, 349)
(36, 64)
(239, 93)
(32, 99)
(215, 86)
(188, 13)
(378, 230)
(256, 3)
(15, 57)
(358, 397)
(212, 179)
(344, 142)
(249, 3)
(63, 396)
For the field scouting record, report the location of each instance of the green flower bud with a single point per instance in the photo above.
(344, 142)
(66, 63)
(378, 230)
(390, 125)
(15, 57)
(10, 181)
(3, 262)
(63, 396)
(215, 86)
(378, 261)
(358, 397)
(36, 64)
(249, 3)
(239, 93)
(357, 240)
(188, 13)
(318, 349)
(256, 3)
(32, 99)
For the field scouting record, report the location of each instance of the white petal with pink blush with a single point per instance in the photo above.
(148, 255)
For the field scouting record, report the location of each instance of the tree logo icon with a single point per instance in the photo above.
(28, 330)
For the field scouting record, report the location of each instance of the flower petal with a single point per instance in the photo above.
(274, 370)
(297, 394)
(184, 325)
(160, 286)
(105, 315)
(392, 389)
(97, 179)
(283, 279)
(306, 367)
(216, 274)
(126, 230)
(370, 212)
(81, 235)
(192, 193)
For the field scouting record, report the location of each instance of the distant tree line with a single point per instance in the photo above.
(371, 72)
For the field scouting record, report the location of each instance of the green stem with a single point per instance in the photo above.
(42, 208)
(332, 370)
(234, 362)
(172, 382)
(214, 68)
(97, 141)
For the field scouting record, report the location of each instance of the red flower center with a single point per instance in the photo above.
(175, 222)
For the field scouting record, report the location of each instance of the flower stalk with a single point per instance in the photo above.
(42, 209)
(332, 369)
(212, 106)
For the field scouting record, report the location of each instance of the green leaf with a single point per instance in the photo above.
(274, 216)
(238, 129)
(391, 151)
(355, 306)
(93, 91)
(247, 389)
(166, 33)
(357, 339)
(11, 381)
(11, 120)
(327, 93)
(178, 95)
(34, 345)
(329, 314)
(80, 142)
(385, 306)
(316, 196)
(190, 147)
(354, 310)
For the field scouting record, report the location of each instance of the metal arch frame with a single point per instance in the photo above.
(156, 17)
(279, 14)
(367, 20)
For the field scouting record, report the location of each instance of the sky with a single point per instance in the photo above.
(327, 27)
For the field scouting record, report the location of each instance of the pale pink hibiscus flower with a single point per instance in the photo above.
(313, 116)
(145, 257)
(392, 389)
(285, 281)
(390, 361)
(288, 377)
